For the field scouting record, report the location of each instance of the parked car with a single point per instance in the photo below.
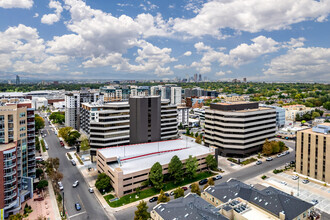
(60, 185)
(279, 155)
(305, 181)
(75, 184)
(61, 143)
(39, 159)
(77, 206)
(202, 182)
(166, 194)
(258, 162)
(295, 177)
(73, 162)
(172, 193)
(269, 159)
(91, 190)
(284, 183)
(184, 188)
(292, 162)
(153, 199)
(217, 177)
(315, 201)
(287, 152)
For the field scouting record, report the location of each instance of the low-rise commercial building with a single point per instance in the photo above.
(240, 128)
(292, 110)
(313, 152)
(128, 166)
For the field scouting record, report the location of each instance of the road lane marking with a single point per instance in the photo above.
(48, 132)
(82, 204)
(75, 215)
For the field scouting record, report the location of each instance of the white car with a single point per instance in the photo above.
(284, 183)
(90, 190)
(295, 177)
(315, 201)
(75, 184)
(60, 185)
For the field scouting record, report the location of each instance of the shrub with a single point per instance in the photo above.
(264, 177)
(69, 156)
(80, 161)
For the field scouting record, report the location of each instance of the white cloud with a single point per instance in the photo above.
(220, 73)
(53, 18)
(181, 67)
(294, 42)
(251, 16)
(36, 15)
(77, 73)
(188, 53)
(16, 4)
(300, 64)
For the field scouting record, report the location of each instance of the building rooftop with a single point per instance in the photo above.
(138, 157)
(323, 128)
(4, 147)
(189, 207)
(270, 199)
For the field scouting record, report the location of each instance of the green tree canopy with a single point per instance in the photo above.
(57, 117)
(103, 182)
(175, 169)
(178, 192)
(191, 167)
(156, 176)
(315, 115)
(195, 189)
(211, 162)
(42, 184)
(142, 211)
(39, 122)
(162, 198)
(267, 148)
(84, 146)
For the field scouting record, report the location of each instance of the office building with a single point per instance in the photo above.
(176, 93)
(73, 102)
(183, 115)
(313, 152)
(18, 81)
(280, 115)
(166, 92)
(155, 90)
(291, 111)
(240, 128)
(128, 166)
(17, 153)
(142, 119)
(237, 200)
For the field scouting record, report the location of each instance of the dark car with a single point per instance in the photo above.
(62, 144)
(77, 206)
(184, 188)
(292, 162)
(153, 199)
(166, 194)
(202, 182)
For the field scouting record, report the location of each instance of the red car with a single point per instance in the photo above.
(184, 188)
(62, 144)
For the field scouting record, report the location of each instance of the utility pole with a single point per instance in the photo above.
(298, 186)
(63, 205)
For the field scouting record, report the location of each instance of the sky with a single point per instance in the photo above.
(268, 40)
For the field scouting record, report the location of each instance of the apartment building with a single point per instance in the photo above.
(129, 165)
(292, 110)
(280, 115)
(73, 102)
(183, 115)
(142, 119)
(313, 152)
(17, 151)
(176, 93)
(240, 128)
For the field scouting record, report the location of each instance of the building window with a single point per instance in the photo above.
(22, 115)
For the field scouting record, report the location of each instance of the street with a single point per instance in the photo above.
(242, 175)
(90, 207)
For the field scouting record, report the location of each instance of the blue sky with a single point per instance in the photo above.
(283, 40)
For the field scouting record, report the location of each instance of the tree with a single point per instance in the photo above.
(282, 146)
(298, 117)
(195, 189)
(64, 132)
(267, 148)
(37, 143)
(196, 134)
(315, 115)
(275, 147)
(210, 181)
(191, 167)
(198, 140)
(57, 117)
(103, 182)
(72, 137)
(142, 211)
(175, 169)
(39, 172)
(18, 216)
(162, 198)
(156, 176)
(201, 135)
(187, 131)
(39, 122)
(57, 176)
(326, 105)
(192, 134)
(179, 192)
(42, 184)
(40, 217)
(180, 126)
(84, 145)
(211, 162)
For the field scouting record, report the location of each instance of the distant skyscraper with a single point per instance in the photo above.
(18, 81)
(195, 77)
(200, 78)
(244, 80)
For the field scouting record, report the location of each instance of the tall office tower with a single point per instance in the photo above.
(166, 91)
(155, 90)
(195, 77)
(313, 152)
(176, 95)
(73, 102)
(18, 81)
(244, 80)
(200, 78)
(240, 128)
(17, 153)
(142, 119)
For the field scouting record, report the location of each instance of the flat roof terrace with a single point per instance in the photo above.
(133, 158)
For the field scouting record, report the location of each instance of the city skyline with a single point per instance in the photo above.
(221, 40)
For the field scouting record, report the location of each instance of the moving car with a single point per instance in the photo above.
(315, 201)
(153, 199)
(202, 182)
(269, 159)
(258, 162)
(90, 190)
(75, 184)
(60, 185)
(305, 181)
(73, 162)
(217, 177)
(77, 206)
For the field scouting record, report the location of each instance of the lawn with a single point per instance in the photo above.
(250, 160)
(152, 191)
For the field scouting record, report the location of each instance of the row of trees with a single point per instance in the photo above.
(273, 147)
(57, 117)
(309, 115)
(39, 122)
(69, 135)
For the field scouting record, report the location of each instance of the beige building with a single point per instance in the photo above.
(292, 110)
(128, 166)
(313, 152)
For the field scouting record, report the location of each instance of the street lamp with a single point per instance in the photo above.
(63, 205)
(298, 186)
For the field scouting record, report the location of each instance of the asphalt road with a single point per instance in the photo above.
(242, 175)
(90, 208)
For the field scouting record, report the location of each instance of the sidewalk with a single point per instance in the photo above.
(53, 201)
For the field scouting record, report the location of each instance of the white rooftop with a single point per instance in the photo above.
(143, 156)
